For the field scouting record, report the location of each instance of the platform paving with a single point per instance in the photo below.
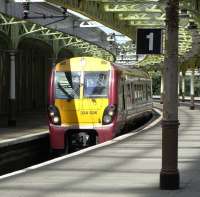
(127, 168)
(29, 125)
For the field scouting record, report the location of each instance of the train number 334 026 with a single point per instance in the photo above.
(88, 112)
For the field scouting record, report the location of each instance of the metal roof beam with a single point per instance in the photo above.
(50, 33)
(61, 37)
(125, 1)
(142, 17)
(9, 21)
(95, 11)
(26, 28)
(136, 8)
(146, 23)
(34, 30)
(72, 43)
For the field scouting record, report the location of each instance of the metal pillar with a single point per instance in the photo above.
(178, 85)
(12, 96)
(183, 88)
(6, 6)
(178, 88)
(161, 88)
(192, 90)
(169, 175)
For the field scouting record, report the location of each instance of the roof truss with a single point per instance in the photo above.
(27, 29)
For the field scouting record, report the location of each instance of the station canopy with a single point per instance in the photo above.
(126, 16)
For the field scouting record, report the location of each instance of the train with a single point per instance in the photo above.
(91, 100)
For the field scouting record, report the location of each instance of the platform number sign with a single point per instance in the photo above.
(149, 41)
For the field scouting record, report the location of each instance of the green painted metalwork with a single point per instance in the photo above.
(128, 7)
(126, 16)
(95, 11)
(19, 29)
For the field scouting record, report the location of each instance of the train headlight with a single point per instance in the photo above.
(107, 119)
(56, 119)
(54, 115)
(111, 110)
(109, 114)
(51, 113)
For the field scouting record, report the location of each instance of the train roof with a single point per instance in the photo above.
(136, 72)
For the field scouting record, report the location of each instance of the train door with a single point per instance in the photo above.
(121, 97)
(134, 96)
(128, 99)
(121, 117)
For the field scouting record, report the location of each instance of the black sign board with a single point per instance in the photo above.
(149, 41)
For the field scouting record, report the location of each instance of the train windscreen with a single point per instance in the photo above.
(67, 85)
(95, 84)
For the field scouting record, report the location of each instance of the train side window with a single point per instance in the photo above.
(124, 105)
(140, 92)
(149, 91)
(146, 93)
(136, 93)
(128, 95)
(139, 97)
(121, 96)
(132, 93)
(143, 92)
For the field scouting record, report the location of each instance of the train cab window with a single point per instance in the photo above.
(67, 85)
(95, 84)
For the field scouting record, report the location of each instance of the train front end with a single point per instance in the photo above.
(80, 112)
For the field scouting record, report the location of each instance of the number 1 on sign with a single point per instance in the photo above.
(150, 37)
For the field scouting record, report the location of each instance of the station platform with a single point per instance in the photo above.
(36, 123)
(128, 166)
(29, 125)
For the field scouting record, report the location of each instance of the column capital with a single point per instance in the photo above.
(13, 52)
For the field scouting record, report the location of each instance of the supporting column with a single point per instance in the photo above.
(183, 88)
(6, 6)
(178, 88)
(178, 85)
(161, 88)
(12, 96)
(169, 175)
(192, 90)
